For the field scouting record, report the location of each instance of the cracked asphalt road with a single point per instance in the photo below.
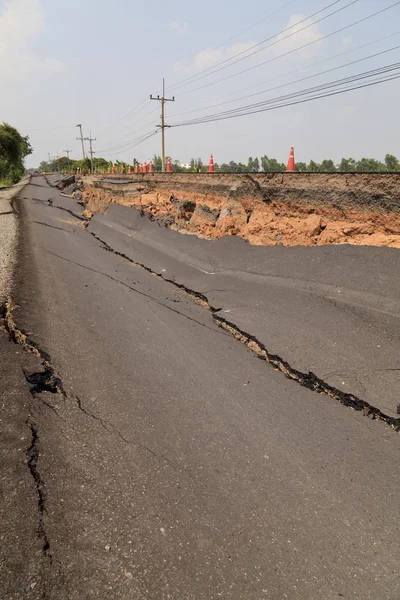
(172, 462)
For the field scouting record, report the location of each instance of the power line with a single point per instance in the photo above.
(132, 112)
(150, 135)
(130, 133)
(244, 110)
(306, 67)
(297, 97)
(214, 69)
(139, 107)
(127, 145)
(295, 49)
(297, 80)
(255, 24)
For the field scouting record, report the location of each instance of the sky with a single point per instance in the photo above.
(95, 62)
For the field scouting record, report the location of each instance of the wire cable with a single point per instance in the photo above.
(296, 80)
(128, 143)
(297, 97)
(308, 66)
(216, 68)
(344, 28)
(234, 37)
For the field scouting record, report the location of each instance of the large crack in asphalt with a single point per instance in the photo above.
(45, 380)
(33, 458)
(308, 380)
(50, 203)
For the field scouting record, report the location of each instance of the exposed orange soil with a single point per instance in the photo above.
(260, 223)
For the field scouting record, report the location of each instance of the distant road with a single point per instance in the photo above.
(173, 463)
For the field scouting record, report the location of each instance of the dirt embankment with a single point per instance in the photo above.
(264, 209)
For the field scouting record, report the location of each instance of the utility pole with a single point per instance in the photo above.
(81, 138)
(163, 126)
(90, 140)
(67, 153)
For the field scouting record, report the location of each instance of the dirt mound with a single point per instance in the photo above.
(250, 216)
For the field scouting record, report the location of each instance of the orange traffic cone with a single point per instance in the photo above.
(145, 167)
(141, 168)
(169, 166)
(112, 170)
(151, 166)
(129, 170)
(136, 168)
(291, 168)
(211, 165)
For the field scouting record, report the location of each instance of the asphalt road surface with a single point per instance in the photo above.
(167, 459)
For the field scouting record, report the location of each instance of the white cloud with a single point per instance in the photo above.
(179, 26)
(20, 21)
(210, 57)
(298, 37)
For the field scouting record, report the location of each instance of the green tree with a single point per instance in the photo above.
(370, 165)
(327, 166)
(347, 165)
(100, 163)
(313, 167)
(256, 165)
(13, 150)
(392, 163)
(225, 168)
(301, 167)
(83, 164)
(44, 166)
(61, 164)
(157, 163)
(271, 165)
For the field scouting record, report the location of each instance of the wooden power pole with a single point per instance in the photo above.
(163, 126)
(81, 138)
(90, 140)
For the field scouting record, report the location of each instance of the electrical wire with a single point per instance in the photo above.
(295, 49)
(234, 37)
(306, 67)
(138, 143)
(141, 106)
(124, 146)
(216, 68)
(343, 81)
(296, 80)
(297, 97)
(130, 133)
(133, 111)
